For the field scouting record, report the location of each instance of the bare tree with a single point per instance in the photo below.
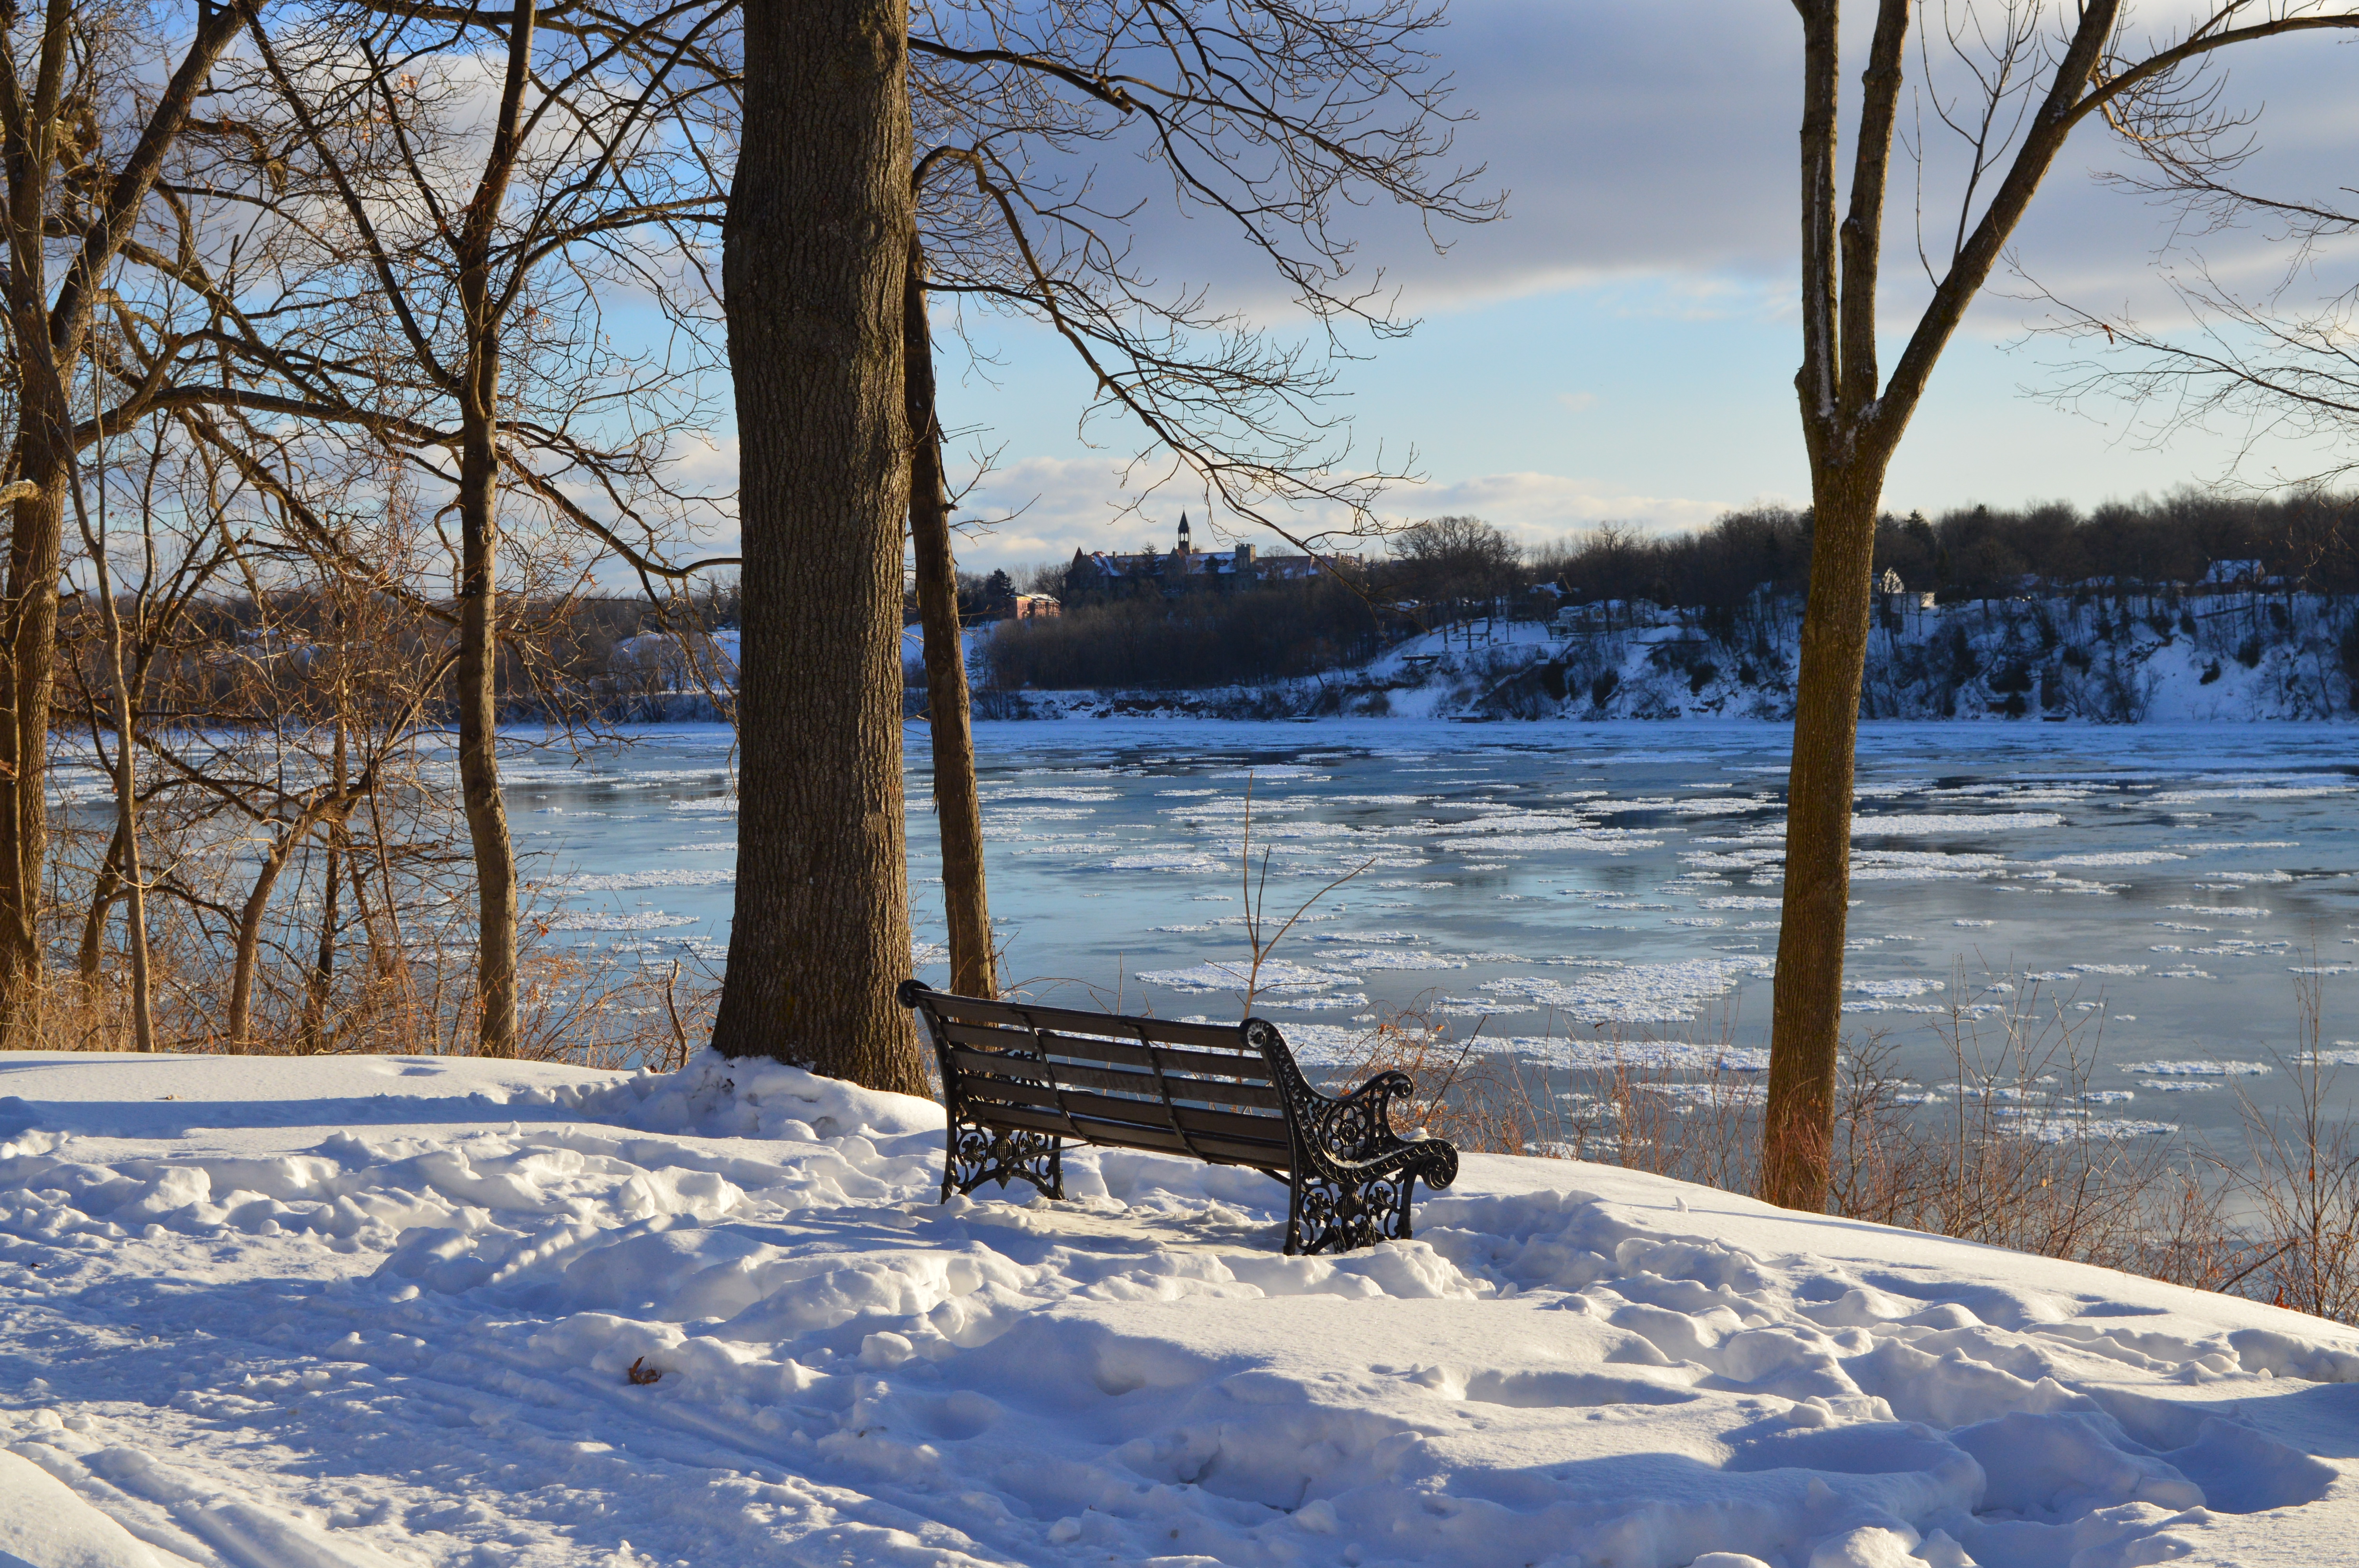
(84, 148)
(1273, 118)
(455, 244)
(2279, 361)
(958, 806)
(2035, 74)
(1268, 114)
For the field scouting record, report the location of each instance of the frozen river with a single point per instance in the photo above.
(1578, 889)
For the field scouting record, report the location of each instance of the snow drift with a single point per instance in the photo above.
(368, 1310)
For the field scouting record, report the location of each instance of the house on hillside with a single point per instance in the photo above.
(2222, 575)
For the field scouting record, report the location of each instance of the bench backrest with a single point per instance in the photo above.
(1200, 1089)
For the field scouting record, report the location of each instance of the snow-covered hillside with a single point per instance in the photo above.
(2231, 657)
(366, 1311)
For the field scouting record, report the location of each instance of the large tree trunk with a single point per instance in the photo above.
(816, 243)
(1806, 996)
(958, 808)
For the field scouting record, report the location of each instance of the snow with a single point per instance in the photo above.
(354, 1312)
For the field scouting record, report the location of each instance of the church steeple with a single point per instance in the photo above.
(1185, 544)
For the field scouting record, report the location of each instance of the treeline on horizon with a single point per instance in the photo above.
(1443, 572)
(242, 661)
(1979, 552)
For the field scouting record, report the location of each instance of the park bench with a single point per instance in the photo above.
(1020, 1081)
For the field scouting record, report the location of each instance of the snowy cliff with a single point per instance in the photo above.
(2131, 660)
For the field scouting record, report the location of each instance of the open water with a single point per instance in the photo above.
(1574, 891)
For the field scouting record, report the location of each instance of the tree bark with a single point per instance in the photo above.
(247, 955)
(107, 889)
(958, 808)
(1806, 1012)
(127, 811)
(28, 630)
(320, 989)
(815, 248)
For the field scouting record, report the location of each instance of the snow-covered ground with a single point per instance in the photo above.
(369, 1311)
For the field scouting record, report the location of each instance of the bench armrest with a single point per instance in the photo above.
(1358, 1126)
(1351, 1134)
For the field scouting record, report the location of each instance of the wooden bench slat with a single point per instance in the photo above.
(1080, 1103)
(1024, 1117)
(1159, 1140)
(1116, 1134)
(974, 1064)
(1111, 1078)
(1228, 1123)
(1242, 1065)
(1249, 1067)
(991, 1037)
(1000, 1064)
(1262, 1156)
(1083, 1048)
(976, 1085)
(1192, 1090)
(1171, 1030)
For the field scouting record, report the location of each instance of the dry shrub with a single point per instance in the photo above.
(1634, 1112)
(2297, 1198)
(592, 1008)
(1481, 1101)
(2006, 1152)
(2010, 1152)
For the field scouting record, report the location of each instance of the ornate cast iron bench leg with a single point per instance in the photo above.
(1354, 1176)
(1335, 1212)
(978, 1154)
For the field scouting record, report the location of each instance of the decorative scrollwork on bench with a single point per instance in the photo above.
(980, 1155)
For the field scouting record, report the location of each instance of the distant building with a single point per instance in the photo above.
(1034, 607)
(1184, 568)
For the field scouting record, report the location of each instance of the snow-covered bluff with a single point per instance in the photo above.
(2230, 658)
(357, 1311)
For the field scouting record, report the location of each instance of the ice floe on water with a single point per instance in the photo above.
(613, 920)
(2201, 1067)
(1609, 992)
(1278, 976)
(668, 877)
(1931, 824)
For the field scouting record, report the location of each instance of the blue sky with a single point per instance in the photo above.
(1623, 346)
